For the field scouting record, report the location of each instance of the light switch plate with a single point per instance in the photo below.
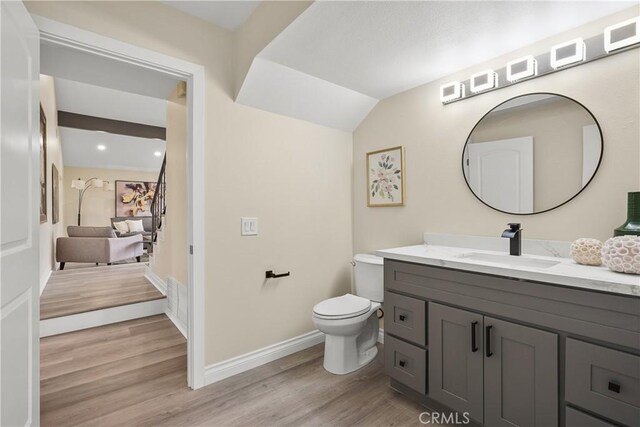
(248, 226)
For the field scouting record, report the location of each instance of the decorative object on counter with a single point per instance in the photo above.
(587, 251)
(632, 225)
(622, 254)
(385, 177)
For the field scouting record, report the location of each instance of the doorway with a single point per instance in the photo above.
(104, 51)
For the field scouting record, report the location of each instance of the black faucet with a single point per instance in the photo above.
(513, 233)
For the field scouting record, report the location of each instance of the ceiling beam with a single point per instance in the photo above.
(80, 121)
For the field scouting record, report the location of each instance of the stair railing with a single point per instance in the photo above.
(159, 202)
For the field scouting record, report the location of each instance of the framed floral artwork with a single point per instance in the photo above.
(385, 177)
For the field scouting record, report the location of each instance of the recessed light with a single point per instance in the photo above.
(101, 147)
(157, 154)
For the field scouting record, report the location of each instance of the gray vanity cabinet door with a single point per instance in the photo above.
(520, 375)
(455, 367)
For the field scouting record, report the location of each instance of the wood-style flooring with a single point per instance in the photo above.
(134, 373)
(78, 291)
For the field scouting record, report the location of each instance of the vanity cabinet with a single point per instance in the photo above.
(512, 352)
(491, 368)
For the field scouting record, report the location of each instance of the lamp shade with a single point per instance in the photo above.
(97, 183)
(78, 184)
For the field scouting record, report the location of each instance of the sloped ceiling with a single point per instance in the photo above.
(333, 63)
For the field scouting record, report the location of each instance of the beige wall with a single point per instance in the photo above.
(556, 128)
(434, 135)
(48, 230)
(294, 176)
(98, 204)
(171, 259)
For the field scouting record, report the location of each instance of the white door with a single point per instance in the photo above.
(501, 173)
(19, 216)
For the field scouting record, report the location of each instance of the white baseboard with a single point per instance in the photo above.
(178, 324)
(43, 283)
(381, 336)
(155, 280)
(92, 319)
(221, 370)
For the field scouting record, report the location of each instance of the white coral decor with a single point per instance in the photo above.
(622, 254)
(587, 251)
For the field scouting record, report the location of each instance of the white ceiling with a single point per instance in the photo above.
(225, 14)
(379, 49)
(90, 100)
(79, 149)
(76, 65)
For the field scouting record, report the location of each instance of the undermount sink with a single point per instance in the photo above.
(518, 261)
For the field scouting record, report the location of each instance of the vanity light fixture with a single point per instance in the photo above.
(567, 53)
(451, 91)
(622, 35)
(522, 68)
(484, 80)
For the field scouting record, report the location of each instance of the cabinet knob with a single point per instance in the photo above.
(402, 363)
(402, 317)
(614, 387)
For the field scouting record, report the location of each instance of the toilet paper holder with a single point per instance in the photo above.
(271, 275)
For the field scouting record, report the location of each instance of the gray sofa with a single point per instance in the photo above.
(147, 223)
(96, 244)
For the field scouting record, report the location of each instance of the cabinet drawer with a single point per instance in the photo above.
(604, 381)
(406, 363)
(405, 317)
(575, 418)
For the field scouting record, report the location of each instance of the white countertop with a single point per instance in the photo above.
(566, 272)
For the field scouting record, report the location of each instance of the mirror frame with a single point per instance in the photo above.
(561, 204)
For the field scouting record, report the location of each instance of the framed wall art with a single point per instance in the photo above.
(55, 194)
(385, 177)
(43, 166)
(133, 198)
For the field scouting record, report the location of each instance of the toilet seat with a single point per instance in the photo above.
(342, 307)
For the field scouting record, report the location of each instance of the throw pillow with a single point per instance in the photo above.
(121, 226)
(135, 226)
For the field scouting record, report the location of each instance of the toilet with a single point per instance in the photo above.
(350, 322)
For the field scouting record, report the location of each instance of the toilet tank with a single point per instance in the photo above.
(369, 277)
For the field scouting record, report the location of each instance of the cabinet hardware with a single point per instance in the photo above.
(402, 317)
(487, 340)
(474, 344)
(614, 387)
(402, 363)
(271, 275)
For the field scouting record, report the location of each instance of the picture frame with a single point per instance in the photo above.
(43, 166)
(55, 194)
(386, 177)
(133, 198)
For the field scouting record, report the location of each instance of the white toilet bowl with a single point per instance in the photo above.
(351, 327)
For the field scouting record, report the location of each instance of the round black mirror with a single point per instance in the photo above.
(532, 153)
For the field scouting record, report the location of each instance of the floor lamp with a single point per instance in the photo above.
(82, 186)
